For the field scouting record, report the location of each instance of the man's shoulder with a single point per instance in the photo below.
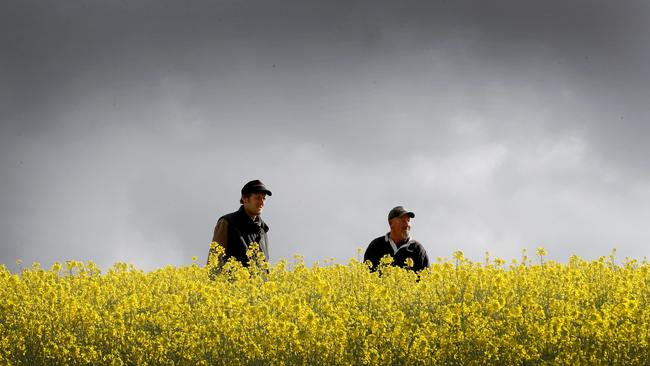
(228, 216)
(240, 219)
(378, 241)
(376, 249)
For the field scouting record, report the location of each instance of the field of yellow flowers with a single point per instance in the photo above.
(526, 312)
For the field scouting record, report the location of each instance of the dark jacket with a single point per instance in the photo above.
(381, 246)
(236, 231)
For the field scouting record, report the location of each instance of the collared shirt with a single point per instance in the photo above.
(404, 244)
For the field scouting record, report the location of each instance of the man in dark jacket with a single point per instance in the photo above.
(397, 243)
(235, 231)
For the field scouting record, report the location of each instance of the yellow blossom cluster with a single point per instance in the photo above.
(457, 312)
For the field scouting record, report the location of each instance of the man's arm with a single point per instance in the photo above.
(221, 233)
(220, 236)
(424, 258)
(235, 246)
(371, 255)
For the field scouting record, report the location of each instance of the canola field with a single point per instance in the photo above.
(524, 312)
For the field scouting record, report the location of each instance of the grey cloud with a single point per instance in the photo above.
(128, 128)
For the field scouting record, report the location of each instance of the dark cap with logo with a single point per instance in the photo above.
(255, 186)
(399, 211)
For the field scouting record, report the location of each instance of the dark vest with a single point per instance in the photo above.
(242, 231)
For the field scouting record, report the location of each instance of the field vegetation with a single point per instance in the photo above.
(529, 311)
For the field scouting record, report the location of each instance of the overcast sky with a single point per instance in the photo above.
(127, 128)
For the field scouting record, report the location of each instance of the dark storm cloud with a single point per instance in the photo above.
(302, 50)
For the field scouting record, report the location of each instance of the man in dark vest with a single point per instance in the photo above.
(397, 243)
(235, 231)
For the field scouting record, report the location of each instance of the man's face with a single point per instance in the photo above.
(254, 203)
(400, 226)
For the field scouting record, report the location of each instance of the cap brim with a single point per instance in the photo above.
(266, 191)
(408, 213)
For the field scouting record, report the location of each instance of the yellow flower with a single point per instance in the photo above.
(582, 312)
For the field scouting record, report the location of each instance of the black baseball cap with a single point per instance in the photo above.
(399, 211)
(255, 186)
